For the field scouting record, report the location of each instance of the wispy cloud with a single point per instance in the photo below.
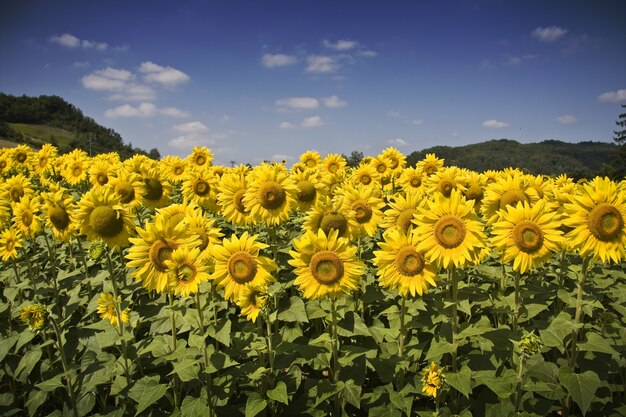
(399, 116)
(143, 110)
(298, 103)
(566, 119)
(494, 124)
(399, 142)
(191, 127)
(613, 96)
(548, 34)
(341, 45)
(121, 83)
(70, 41)
(166, 76)
(286, 125)
(313, 121)
(334, 102)
(322, 64)
(278, 60)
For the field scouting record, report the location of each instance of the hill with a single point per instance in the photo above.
(550, 157)
(50, 119)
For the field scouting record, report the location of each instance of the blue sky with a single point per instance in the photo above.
(256, 80)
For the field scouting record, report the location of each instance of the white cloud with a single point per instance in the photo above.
(321, 64)
(173, 112)
(187, 142)
(613, 96)
(548, 34)
(368, 53)
(334, 102)
(70, 41)
(108, 79)
(313, 121)
(286, 125)
(278, 60)
(166, 76)
(415, 121)
(191, 127)
(298, 103)
(397, 142)
(395, 114)
(492, 123)
(566, 119)
(134, 92)
(126, 110)
(341, 45)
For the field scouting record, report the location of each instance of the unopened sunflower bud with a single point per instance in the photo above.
(530, 344)
(96, 249)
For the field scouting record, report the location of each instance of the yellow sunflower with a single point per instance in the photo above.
(527, 235)
(509, 189)
(26, 216)
(156, 190)
(271, 195)
(399, 215)
(366, 204)
(186, 269)
(200, 188)
(430, 164)
(325, 265)
(129, 187)
(200, 157)
(401, 266)
(449, 231)
(411, 180)
(475, 188)
(5, 161)
(75, 167)
(176, 168)
(329, 215)
(309, 186)
(10, 243)
(100, 216)
(432, 380)
(382, 167)
(230, 192)
(107, 306)
(43, 159)
(444, 180)
(21, 158)
(15, 188)
(364, 175)
(239, 264)
(333, 163)
(204, 227)
(33, 315)
(252, 299)
(100, 173)
(311, 159)
(597, 215)
(396, 159)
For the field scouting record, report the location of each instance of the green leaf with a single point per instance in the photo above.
(86, 403)
(221, 333)
(461, 381)
(352, 393)
(543, 378)
(582, 387)
(35, 399)
(279, 393)
(187, 369)
(557, 331)
(146, 392)
(255, 404)
(51, 384)
(28, 362)
(294, 312)
(6, 345)
(596, 343)
(192, 406)
(502, 385)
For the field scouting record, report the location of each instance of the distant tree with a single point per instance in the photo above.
(354, 159)
(619, 136)
(154, 154)
(617, 169)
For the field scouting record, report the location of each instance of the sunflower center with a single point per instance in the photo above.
(474, 192)
(326, 267)
(334, 220)
(154, 189)
(21, 157)
(409, 262)
(306, 191)
(242, 267)
(204, 238)
(27, 218)
(450, 232)
(446, 187)
(527, 236)
(17, 192)
(238, 201)
(186, 273)
(161, 251)
(126, 192)
(200, 160)
(365, 179)
(362, 210)
(272, 195)
(59, 217)
(512, 197)
(102, 179)
(405, 219)
(106, 222)
(430, 169)
(178, 170)
(393, 163)
(201, 188)
(332, 168)
(3, 164)
(310, 163)
(77, 171)
(381, 168)
(415, 182)
(605, 222)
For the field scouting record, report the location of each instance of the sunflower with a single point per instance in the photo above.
(527, 235)
(21, 158)
(475, 188)
(333, 163)
(509, 189)
(311, 159)
(597, 215)
(100, 173)
(411, 180)
(401, 267)
(15, 188)
(449, 231)
(325, 265)
(310, 187)
(75, 167)
(200, 157)
(399, 215)
(129, 187)
(156, 190)
(199, 187)
(139, 164)
(42, 160)
(430, 164)
(203, 227)
(100, 216)
(176, 168)
(107, 309)
(153, 247)
(271, 195)
(238, 264)
(252, 299)
(10, 243)
(186, 270)
(432, 380)
(26, 216)
(396, 159)
(5, 161)
(230, 192)
(382, 167)
(364, 175)
(367, 205)
(328, 215)
(33, 315)
(445, 180)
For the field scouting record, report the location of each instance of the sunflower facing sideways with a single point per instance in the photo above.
(238, 263)
(252, 300)
(325, 266)
(230, 191)
(597, 216)
(101, 216)
(449, 231)
(401, 267)
(187, 268)
(10, 243)
(401, 209)
(527, 235)
(107, 309)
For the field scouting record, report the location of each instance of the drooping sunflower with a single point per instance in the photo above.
(252, 299)
(366, 204)
(449, 231)
(26, 216)
(401, 266)
(329, 215)
(508, 189)
(401, 209)
(200, 188)
(597, 215)
(200, 157)
(139, 164)
(430, 164)
(271, 195)
(129, 187)
(15, 188)
(230, 192)
(154, 246)
(101, 216)
(432, 380)
(33, 315)
(311, 159)
(106, 309)
(325, 266)
(527, 235)
(238, 263)
(411, 180)
(187, 268)
(10, 243)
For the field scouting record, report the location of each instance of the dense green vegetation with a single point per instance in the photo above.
(50, 119)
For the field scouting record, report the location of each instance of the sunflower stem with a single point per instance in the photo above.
(516, 280)
(268, 339)
(208, 379)
(452, 277)
(401, 341)
(335, 343)
(17, 280)
(170, 298)
(68, 377)
(520, 382)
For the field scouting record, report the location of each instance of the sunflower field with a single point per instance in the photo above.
(182, 288)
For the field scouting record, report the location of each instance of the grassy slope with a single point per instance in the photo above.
(41, 134)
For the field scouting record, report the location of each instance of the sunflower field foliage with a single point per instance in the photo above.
(183, 288)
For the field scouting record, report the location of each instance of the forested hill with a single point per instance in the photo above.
(550, 157)
(50, 119)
